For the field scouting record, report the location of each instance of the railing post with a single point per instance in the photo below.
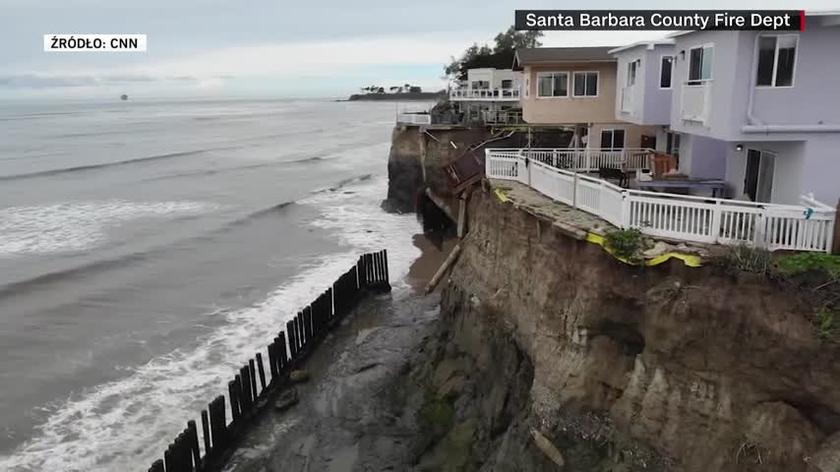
(587, 156)
(625, 210)
(717, 215)
(833, 246)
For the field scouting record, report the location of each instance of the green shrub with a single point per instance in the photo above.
(743, 258)
(626, 243)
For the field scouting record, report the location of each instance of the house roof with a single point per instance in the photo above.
(531, 56)
(647, 44)
(827, 17)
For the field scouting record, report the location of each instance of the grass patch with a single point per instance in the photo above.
(805, 262)
(826, 323)
(627, 244)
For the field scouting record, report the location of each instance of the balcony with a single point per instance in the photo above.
(485, 95)
(695, 101)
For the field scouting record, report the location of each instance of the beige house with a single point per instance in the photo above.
(576, 88)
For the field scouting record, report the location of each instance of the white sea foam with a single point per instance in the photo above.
(126, 424)
(78, 226)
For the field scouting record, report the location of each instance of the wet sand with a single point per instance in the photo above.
(424, 268)
(344, 420)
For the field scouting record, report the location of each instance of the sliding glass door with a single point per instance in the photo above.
(758, 176)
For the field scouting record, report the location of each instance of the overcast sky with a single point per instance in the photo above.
(272, 48)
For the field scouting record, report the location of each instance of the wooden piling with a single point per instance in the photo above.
(157, 466)
(252, 375)
(233, 395)
(205, 430)
(261, 371)
(245, 387)
(272, 360)
(193, 443)
(168, 459)
(282, 352)
(290, 332)
(218, 423)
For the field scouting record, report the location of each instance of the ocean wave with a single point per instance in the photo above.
(78, 226)
(261, 165)
(103, 165)
(343, 183)
(91, 430)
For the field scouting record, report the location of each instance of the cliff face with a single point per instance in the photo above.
(418, 156)
(629, 368)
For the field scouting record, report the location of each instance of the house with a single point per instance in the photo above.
(644, 90)
(758, 109)
(575, 87)
(489, 95)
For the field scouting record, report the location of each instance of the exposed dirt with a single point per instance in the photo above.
(712, 371)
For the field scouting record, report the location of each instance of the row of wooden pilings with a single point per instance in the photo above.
(252, 388)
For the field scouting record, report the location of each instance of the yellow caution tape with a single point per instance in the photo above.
(689, 260)
(501, 195)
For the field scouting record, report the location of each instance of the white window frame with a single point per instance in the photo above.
(661, 68)
(527, 87)
(635, 64)
(612, 140)
(597, 83)
(776, 62)
(688, 69)
(553, 73)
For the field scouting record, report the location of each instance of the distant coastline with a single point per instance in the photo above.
(397, 96)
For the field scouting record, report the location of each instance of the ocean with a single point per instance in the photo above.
(148, 248)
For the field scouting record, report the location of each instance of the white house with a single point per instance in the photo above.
(489, 95)
(758, 109)
(488, 84)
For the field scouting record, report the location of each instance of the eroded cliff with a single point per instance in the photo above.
(627, 368)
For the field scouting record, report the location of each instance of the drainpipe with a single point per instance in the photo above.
(753, 125)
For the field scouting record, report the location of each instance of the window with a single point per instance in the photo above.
(700, 64)
(553, 84)
(666, 68)
(632, 68)
(612, 139)
(507, 84)
(586, 84)
(527, 87)
(776, 58)
(480, 84)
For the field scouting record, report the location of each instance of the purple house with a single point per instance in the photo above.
(758, 109)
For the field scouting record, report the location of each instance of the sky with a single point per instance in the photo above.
(331, 48)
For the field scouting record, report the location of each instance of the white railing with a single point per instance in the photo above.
(591, 159)
(805, 227)
(627, 98)
(414, 118)
(695, 101)
(497, 94)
